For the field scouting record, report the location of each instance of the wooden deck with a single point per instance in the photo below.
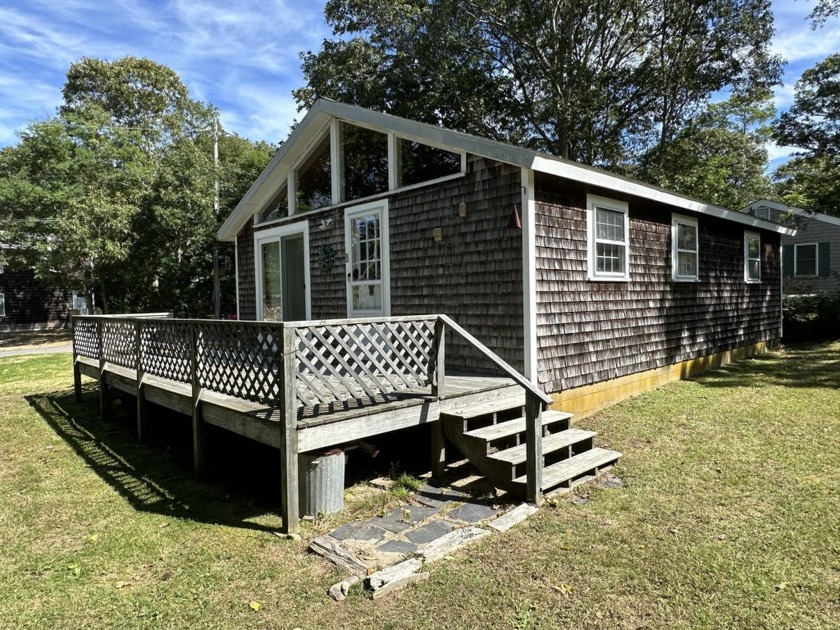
(299, 387)
(317, 429)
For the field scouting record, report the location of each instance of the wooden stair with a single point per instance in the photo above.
(492, 436)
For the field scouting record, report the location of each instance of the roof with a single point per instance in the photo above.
(780, 207)
(323, 111)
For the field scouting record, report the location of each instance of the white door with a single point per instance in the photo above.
(282, 272)
(366, 241)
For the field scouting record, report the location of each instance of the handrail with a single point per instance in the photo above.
(506, 367)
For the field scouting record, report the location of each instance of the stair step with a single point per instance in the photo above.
(573, 467)
(488, 407)
(550, 443)
(512, 427)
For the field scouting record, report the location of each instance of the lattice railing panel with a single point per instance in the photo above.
(337, 363)
(85, 338)
(241, 360)
(118, 342)
(165, 349)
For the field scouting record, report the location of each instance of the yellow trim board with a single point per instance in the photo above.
(586, 400)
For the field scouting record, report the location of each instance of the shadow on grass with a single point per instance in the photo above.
(243, 482)
(157, 477)
(798, 365)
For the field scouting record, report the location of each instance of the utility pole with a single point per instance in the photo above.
(217, 289)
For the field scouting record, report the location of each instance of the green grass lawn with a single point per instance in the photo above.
(729, 517)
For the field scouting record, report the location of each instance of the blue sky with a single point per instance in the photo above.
(240, 55)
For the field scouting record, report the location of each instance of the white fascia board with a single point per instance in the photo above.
(274, 175)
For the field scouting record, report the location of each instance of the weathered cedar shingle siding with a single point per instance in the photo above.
(30, 303)
(474, 274)
(247, 279)
(594, 331)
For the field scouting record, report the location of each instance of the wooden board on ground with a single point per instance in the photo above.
(332, 550)
(452, 541)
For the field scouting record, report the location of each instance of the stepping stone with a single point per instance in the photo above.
(397, 546)
(361, 531)
(393, 521)
(430, 532)
(419, 513)
(472, 512)
(342, 532)
(613, 482)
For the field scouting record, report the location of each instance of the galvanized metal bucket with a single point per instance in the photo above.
(321, 479)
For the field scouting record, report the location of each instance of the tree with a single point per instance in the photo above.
(598, 82)
(813, 121)
(811, 179)
(114, 195)
(824, 10)
(720, 156)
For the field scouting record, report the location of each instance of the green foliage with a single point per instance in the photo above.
(115, 195)
(720, 156)
(809, 317)
(811, 179)
(813, 121)
(598, 82)
(810, 182)
(823, 10)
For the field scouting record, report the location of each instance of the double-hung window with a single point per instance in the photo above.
(685, 257)
(805, 260)
(752, 257)
(608, 238)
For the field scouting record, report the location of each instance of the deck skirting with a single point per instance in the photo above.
(584, 401)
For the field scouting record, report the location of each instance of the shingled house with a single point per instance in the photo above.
(27, 303)
(807, 263)
(593, 285)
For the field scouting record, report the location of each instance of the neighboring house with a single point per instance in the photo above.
(593, 285)
(29, 303)
(811, 258)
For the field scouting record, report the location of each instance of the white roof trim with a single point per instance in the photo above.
(808, 214)
(323, 110)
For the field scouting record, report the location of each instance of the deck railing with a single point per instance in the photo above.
(295, 366)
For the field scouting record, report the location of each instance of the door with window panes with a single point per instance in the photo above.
(366, 233)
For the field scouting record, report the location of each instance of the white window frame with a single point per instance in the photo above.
(676, 221)
(747, 237)
(816, 273)
(384, 253)
(276, 234)
(593, 202)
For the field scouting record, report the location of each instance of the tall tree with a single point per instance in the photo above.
(811, 179)
(720, 156)
(598, 82)
(115, 194)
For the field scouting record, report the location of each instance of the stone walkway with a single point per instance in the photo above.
(445, 520)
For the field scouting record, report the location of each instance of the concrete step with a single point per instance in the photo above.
(566, 470)
(551, 443)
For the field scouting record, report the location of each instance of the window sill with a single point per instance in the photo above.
(686, 280)
(607, 279)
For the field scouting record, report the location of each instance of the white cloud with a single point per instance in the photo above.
(241, 56)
